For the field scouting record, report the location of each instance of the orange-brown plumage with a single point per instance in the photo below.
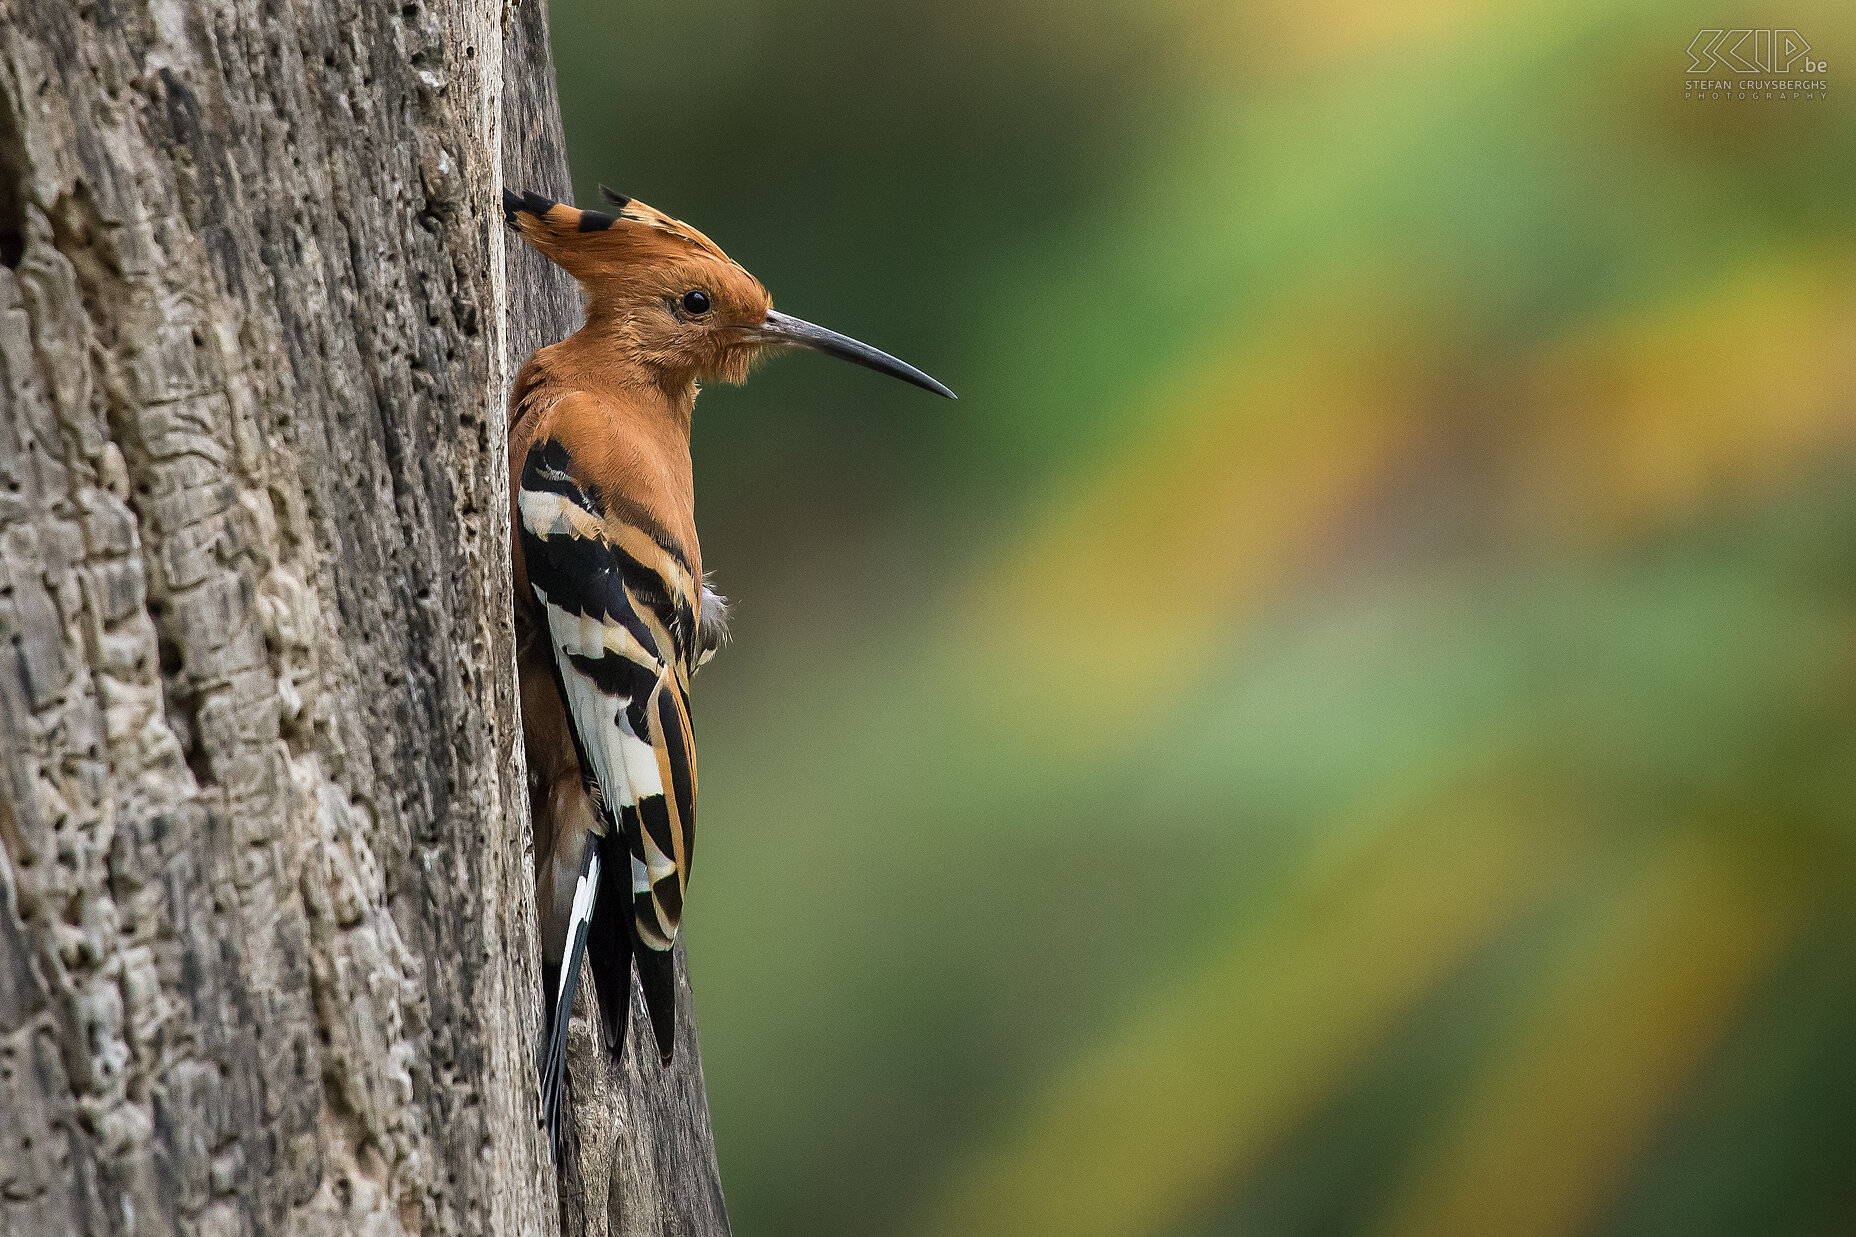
(612, 614)
(634, 269)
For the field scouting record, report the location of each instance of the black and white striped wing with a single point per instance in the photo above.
(619, 614)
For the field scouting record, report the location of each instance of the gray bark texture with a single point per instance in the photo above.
(267, 948)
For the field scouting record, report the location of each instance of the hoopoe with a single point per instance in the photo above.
(613, 612)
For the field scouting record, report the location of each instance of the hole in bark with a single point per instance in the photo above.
(197, 763)
(12, 189)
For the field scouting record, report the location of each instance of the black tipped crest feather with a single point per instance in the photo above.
(525, 203)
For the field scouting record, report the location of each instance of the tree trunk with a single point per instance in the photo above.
(267, 958)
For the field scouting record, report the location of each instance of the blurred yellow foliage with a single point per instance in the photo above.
(1346, 727)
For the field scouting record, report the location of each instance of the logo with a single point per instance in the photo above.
(1754, 64)
(1751, 51)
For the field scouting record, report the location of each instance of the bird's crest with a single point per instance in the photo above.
(591, 243)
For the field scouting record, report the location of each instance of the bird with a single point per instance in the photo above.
(613, 610)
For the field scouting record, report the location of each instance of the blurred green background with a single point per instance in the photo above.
(1349, 725)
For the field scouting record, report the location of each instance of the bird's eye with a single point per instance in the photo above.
(695, 302)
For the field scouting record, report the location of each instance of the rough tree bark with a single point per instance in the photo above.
(267, 957)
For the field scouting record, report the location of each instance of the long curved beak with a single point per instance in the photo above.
(785, 329)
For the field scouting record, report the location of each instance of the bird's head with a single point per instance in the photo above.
(670, 299)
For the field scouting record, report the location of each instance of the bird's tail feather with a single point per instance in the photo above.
(657, 975)
(554, 1054)
(609, 948)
